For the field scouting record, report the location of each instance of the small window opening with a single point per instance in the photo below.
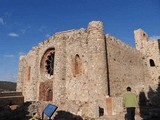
(144, 35)
(152, 64)
(29, 73)
(101, 111)
(77, 65)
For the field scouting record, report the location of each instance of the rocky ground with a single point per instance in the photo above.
(14, 112)
(29, 111)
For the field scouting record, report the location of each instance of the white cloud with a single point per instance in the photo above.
(21, 53)
(8, 56)
(24, 30)
(13, 35)
(42, 29)
(48, 35)
(1, 21)
(154, 37)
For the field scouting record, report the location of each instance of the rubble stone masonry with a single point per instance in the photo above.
(80, 70)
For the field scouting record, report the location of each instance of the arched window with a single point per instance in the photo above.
(77, 67)
(77, 64)
(47, 63)
(152, 64)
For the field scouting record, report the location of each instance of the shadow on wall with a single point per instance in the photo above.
(63, 115)
(150, 105)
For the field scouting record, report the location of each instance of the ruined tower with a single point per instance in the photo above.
(150, 50)
(141, 39)
(97, 59)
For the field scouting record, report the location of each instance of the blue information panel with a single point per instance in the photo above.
(49, 110)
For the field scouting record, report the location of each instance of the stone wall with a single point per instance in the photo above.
(77, 54)
(78, 69)
(150, 50)
(125, 66)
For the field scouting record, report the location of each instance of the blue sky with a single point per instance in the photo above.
(25, 23)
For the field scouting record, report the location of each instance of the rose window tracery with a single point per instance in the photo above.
(47, 63)
(50, 63)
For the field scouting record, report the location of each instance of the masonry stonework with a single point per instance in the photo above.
(85, 72)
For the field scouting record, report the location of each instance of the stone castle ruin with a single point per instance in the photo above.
(86, 72)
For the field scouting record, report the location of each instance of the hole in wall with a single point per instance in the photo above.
(101, 111)
(144, 35)
(152, 63)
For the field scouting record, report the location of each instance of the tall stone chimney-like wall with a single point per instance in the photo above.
(97, 64)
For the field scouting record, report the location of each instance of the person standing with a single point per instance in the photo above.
(130, 103)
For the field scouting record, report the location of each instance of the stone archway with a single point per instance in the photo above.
(49, 95)
(45, 91)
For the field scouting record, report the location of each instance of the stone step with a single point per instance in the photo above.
(14, 93)
(118, 117)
